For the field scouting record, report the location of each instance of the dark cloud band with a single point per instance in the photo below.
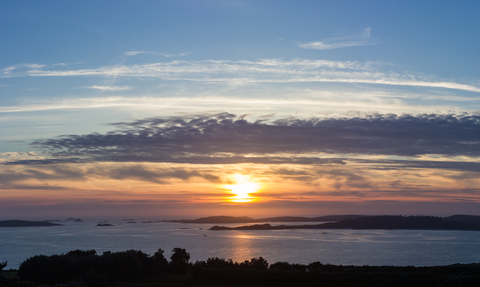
(227, 138)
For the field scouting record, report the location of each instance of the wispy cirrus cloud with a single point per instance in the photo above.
(67, 64)
(7, 72)
(110, 88)
(362, 39)
(135, 53)
(276, 99)
(250, 72)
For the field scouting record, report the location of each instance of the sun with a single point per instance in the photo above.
(242, 189)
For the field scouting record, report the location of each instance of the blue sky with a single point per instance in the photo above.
(77, 68)
(434, 37)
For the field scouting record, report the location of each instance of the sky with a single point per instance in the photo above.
(181, 109)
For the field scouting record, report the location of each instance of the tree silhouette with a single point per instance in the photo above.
(179, 260)
(2, 265)
(160, 263)
(2, 278)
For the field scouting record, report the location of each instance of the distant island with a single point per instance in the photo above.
(74, 219)
(26, 223)
(104, 223)
(455, 222)
(246, 219)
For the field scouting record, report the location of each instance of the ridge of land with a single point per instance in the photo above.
(455, 222)
(246, 219)
(25, 223)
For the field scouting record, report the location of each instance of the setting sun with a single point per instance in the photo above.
(242, 189)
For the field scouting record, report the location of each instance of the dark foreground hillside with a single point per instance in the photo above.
(135, 268)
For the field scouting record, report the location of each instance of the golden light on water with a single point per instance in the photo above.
(243, 188)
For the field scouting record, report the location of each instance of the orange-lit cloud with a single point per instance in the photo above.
(228, 161)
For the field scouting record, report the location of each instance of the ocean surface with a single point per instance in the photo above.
(335, 246)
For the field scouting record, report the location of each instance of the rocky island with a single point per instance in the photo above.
(455, 222)
(246, 219)
(25, 223)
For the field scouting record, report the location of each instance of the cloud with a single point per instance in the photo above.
(339, 177)
(275, 71)
(34, 66)
(139, 172)
(226, 139)
(33, 187)
(7, 72)
(110, 88)
(66, 64)
(384, 164)
(52, 172)
(134, 53)
(10, 177)
(341, 42)
(189, 159)
(337, 100)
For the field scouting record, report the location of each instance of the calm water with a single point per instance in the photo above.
(356, 247)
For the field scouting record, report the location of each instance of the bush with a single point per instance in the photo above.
(94, 278)
(282, 266)
(219, 263)
(255, 263)
(120, 266)
(81, 253)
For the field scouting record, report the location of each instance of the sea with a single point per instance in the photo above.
(334, 246)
